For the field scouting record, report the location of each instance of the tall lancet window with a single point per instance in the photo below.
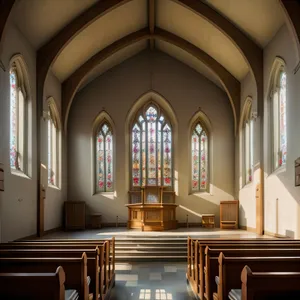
(199, 148)
(18, 135)
(54, 144)
(104, 158)
(279, 130)
(152, 153)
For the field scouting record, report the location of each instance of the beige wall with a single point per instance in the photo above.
(18, 203)
(116, 91)
(282, 198)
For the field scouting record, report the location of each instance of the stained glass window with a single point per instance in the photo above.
(248, 147)
(282, 122)
(199, 149)
(17, 125)
(14, 163)
(53, 149)
(279, 121)
(151, 142)
(104, 159)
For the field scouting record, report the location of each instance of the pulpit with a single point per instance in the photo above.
(152, 208)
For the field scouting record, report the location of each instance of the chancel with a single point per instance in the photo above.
(146, 142)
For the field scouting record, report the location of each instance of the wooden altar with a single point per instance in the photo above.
(152, 208)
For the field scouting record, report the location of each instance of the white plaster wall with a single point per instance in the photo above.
(247, 212)
(116, 91)
(54, 196)
(18, 203)
(282, 198)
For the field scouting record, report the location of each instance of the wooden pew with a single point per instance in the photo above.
(95, 268)
(65, 242)
(74, 268)
(33, 286)
(106, 256)
(196, 255)
(274, 285)
(212, 265)
(230, 269)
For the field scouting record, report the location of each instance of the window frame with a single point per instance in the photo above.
(167, 121)
(95, 136)
(274, 105)
(22, 168)
(54, 128)
(208, 135)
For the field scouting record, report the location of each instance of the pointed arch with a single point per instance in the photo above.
(200, 145)
(150, 127)
(246, 142)
(54, 155)
(277, 101)
(20, 118)
(103, 154)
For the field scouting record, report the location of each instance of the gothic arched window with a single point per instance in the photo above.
(278, 127)
(18, 120)
(104, 158)
(151, 146)
(199, 148)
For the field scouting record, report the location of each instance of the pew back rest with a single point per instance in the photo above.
(33, 286)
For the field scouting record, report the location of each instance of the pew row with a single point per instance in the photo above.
(196, 255)
(33, 286)
(70, 243)
(230, 269)
(97, 270)
(270, 285)
(75, 270)
(211, 268)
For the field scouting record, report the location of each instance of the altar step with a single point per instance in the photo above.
(143, 249)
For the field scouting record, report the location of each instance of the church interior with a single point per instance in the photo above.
(149, 149)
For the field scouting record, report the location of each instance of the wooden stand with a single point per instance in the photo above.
(74, 215)
(150, 212)
(208, 221)
(229, 214)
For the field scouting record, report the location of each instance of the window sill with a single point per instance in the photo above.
(104, 193)
(19, 174)
(279, 170)
(53, 187)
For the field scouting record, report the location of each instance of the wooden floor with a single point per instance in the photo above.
(122, 232)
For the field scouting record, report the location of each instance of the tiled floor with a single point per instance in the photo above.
(151, 281)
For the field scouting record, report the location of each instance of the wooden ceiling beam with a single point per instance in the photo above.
(151, 20)
(5, 9)
(291, 10)
(229, 82)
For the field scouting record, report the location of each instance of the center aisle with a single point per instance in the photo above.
(151, 281)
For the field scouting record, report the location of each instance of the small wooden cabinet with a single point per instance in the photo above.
(229, 214)
(74, 215)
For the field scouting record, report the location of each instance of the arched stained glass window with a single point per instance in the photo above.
(152, 152)
(54, 144)
(279, 130)
(17, 122)
(199, 147)
(104, 158)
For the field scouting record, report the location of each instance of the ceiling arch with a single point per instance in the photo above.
(229, 82)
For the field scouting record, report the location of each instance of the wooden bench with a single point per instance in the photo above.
(33, 286)
(274, 285)
(66, 242)
(196, 255)
(106, 258)
(212, 265)
(230, 269)
(74, 268)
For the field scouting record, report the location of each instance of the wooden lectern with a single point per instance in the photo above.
(152, 208)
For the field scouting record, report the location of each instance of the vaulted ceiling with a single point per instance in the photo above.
(40, 20)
